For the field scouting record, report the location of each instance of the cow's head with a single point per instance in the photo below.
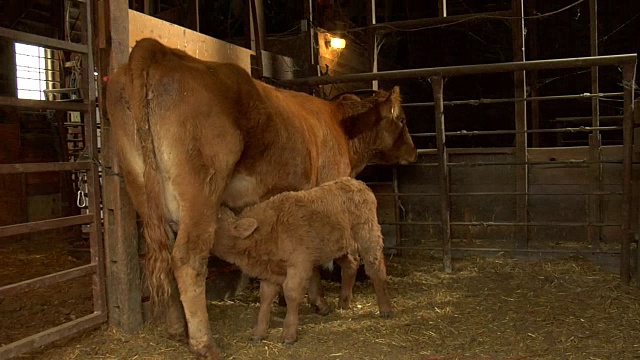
(382, 126)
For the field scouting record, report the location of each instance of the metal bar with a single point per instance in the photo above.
(44, 167)
(437, 21)
(442, 8)
(491, 223)
(258, 27)
(43, 104)
(93, 178)
(396, 205)
(509, 132)
(35, 226)
(517, 163)
(595, 140)
(47, 280)
(445, 200)
(511, 100)
(574, 163)
(582, 62)
(520, 92)
(372, 40)
(48, 336)
(497, 193)
(511, 250)
(44, 41)
(628, 80)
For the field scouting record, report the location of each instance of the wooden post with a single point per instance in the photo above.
(124, 289)
(595, 139)
(445, 200)
(520, 84)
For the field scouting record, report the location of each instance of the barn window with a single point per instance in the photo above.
(34, 71)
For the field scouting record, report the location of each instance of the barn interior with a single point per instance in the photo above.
(536, 165)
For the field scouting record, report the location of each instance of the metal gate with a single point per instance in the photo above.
(84, 165)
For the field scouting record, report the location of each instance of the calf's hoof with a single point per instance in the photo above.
(322, 309)
(178, 337)
(386, 314)
(344, 305)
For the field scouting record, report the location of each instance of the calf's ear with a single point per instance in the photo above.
(244, 227)
(390, 107)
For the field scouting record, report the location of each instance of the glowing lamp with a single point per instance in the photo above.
(338, 43)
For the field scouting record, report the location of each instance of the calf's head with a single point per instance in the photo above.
(231, 227)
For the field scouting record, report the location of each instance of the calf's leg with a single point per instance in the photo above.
(294, 287)
(268, 293)
(375, 268)
(316, 295)
(349, 269)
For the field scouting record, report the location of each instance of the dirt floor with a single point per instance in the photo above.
(489, 308)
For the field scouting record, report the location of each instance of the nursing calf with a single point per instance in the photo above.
(282, 239)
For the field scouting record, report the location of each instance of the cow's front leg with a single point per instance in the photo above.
(316, 295)
(189, 261)
(268, 293)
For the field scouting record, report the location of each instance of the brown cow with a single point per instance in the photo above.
(281, 239)
(192, 134)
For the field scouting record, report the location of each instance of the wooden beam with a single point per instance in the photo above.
(520, 84)
(48, 336)
(124, 283)
(35, 226)
(43, 41)
(47, 280)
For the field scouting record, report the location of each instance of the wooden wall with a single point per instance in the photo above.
(543, 179)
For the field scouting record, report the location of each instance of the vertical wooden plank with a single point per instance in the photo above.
(520, 84)
(121, 231)
(372, 39)
(595, 141)
(445, 199)
(628, 81)
(93, 177)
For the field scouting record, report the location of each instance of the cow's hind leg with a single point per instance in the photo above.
(268, 293)
(349, 269)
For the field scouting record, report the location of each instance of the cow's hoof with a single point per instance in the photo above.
(386, 314)
(209, 352)
(256, 338)
(344, 305)
(289, 341)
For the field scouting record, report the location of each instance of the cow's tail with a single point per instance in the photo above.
(143, 57)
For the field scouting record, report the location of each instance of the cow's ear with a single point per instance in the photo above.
(244, 227)
(390, 107)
